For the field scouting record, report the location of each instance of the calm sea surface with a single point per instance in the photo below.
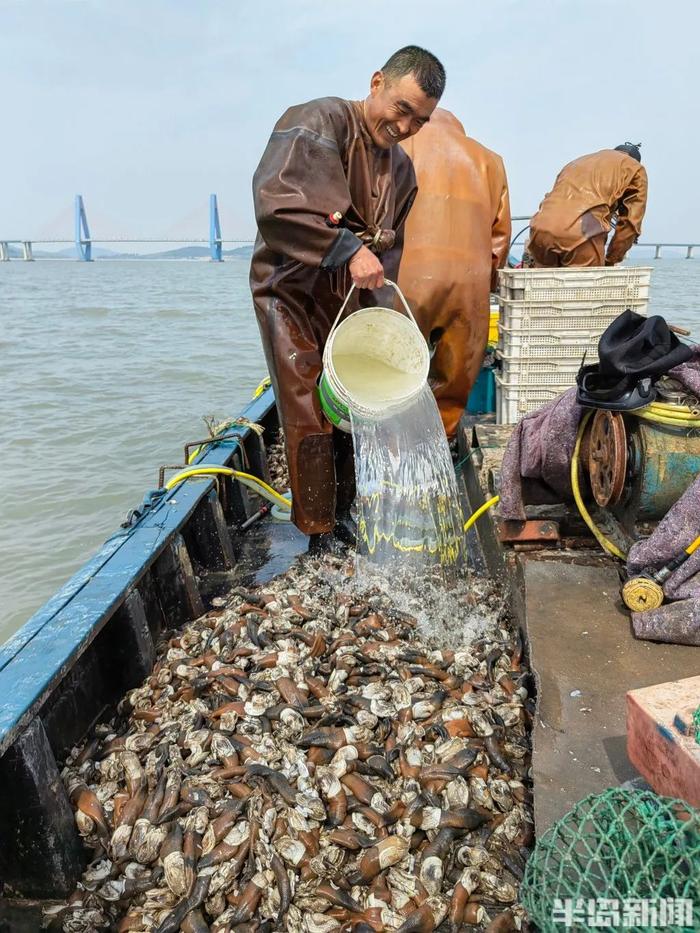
(106, 369)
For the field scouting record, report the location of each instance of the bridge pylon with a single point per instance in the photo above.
(215, 250)
(83, 243)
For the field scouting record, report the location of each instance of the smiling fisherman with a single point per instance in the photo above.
(332, 193)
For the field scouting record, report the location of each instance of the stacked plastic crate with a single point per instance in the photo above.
(549, 320)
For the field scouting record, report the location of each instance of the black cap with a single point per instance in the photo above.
(632, 149)
(634, 345)
(634, 352)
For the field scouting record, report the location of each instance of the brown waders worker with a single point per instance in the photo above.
(457, 237)
(331, 192)
(573, 222)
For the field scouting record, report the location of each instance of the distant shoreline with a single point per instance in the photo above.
(133, 259)
(201, 254)
(184, 253)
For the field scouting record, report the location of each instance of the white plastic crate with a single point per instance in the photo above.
(513, 344)
(526, 370)
(513, 401)
(623, 283)
(550, 318)
(529, 375)
(562, 317)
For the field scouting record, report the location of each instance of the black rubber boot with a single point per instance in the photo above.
(346, 528)
(325, 543)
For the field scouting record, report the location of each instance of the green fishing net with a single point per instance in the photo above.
(623, 859)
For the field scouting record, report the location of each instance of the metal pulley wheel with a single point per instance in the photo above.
(607, 457)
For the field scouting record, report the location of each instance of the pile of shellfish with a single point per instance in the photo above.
(301, 759)
(277, 463)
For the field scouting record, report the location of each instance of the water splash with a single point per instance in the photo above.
(409, 515)
(447, 615)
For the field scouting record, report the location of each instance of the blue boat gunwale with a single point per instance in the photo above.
(49, 643)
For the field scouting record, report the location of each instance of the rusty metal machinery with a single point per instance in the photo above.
(638, 469)
(607, 457)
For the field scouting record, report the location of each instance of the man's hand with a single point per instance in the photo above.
(366, 270)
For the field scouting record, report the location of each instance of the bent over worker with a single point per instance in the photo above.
(457, 237)
(573, 222)
(332, 193)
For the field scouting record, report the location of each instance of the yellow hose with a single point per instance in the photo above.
(604, 542)
(676, 416)
(262, 488)
(688, 423)
(680, 411)
(258, 485)
(480, 511)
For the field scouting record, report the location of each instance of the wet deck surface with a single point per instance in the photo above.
(585, 659)
(269, 548)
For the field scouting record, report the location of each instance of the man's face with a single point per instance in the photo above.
(396, 109)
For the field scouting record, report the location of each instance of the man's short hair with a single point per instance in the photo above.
(423, 65)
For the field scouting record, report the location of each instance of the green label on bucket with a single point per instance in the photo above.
(334, 410)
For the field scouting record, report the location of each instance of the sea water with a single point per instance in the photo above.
(409, 516)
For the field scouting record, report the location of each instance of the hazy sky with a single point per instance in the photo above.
(145, 107)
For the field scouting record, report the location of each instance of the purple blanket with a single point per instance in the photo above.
(537, 460)
(678, 528)
(676, 622)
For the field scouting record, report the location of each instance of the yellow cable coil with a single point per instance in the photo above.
(641, 593)
(676, 416)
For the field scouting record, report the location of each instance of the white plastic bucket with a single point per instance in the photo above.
(375, 362)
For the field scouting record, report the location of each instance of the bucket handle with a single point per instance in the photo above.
(386, 282)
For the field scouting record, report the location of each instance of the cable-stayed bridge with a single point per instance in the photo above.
(83, 241)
